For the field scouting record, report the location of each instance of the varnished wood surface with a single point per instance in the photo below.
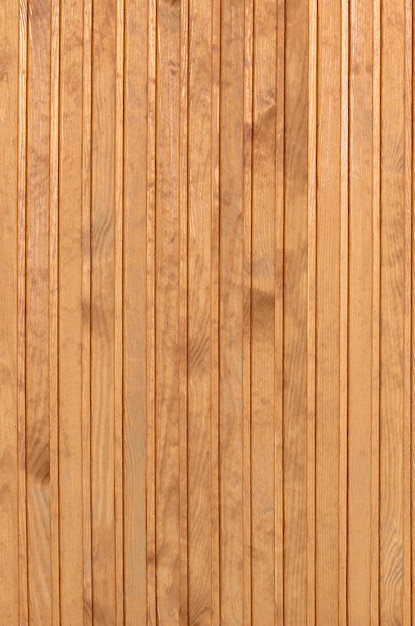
(206, 351)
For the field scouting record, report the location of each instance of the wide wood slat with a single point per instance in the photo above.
(206, 336)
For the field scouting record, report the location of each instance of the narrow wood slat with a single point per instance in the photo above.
(134, 312)
(296, 312)
(203, 321)
(215, 181)
(183, 308)
(311, 312)
(69, 266)
(23, 611)
(231, 312)
(86, 310)
(118, 314)
(393, 272)
(246, 339)
(150, 326)
(54, 309)
(263, 312)
(360, 311)
(104, 26)
(9, 320)
(344, 317)
(328, 310)
(167, 299)
(279, 316)
(408, 303)
(375, 378)
(38, 326)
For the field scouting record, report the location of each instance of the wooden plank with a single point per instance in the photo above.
(23, 611)
(134, 309)
(70, 315)
(9, 229)
(54, 308)
(86, 310)
(183, 309)
(102, 312)
(150, 316)
(376, 260)
(203, 583)
(311, 310)
(118, 313)
(263, 314)
(231, 313)
(246, 288)
(279, 316)
(344, 318)
(393, 303)
(360, 312)
(295, 314)
(167, 312)
(37, 307)
(328, 341)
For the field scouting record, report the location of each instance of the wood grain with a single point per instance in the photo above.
(9, 365)
(206, 336)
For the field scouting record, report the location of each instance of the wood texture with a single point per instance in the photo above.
(206, 346)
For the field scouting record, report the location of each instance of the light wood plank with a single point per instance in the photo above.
(360, 311)
(37, 309)
(328, 339)
(393, 307)
(134, 310)
(263, 314)
(202, 306)
(86, 310)
(23, 611)
(246, 288)
(167, 312)
(150, 316)
(70, 315)
(103, 311)
(9, 233)
(231, 313)
(295, 313)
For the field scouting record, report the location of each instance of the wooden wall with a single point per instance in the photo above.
(206, 280)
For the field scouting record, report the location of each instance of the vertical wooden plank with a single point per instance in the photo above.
(183, 308)
(311, 311)
(37, 307)
(246, 288)
(70, 315)
(150, 316)
(279, 316)
(394, 575)
(263, 313)
(167, 312)
(407, 417)
(295, 313)
(103, 311)
(118, 313)
(134, 332)
(203, 189)
(344, 318)
(9, 229)
(23, 611)
(53, 308)
(86, 310)
(215, 182)
(328, 340)
(231, 313)
(360, 311)
(376, 269)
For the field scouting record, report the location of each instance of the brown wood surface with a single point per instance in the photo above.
(206, 347)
